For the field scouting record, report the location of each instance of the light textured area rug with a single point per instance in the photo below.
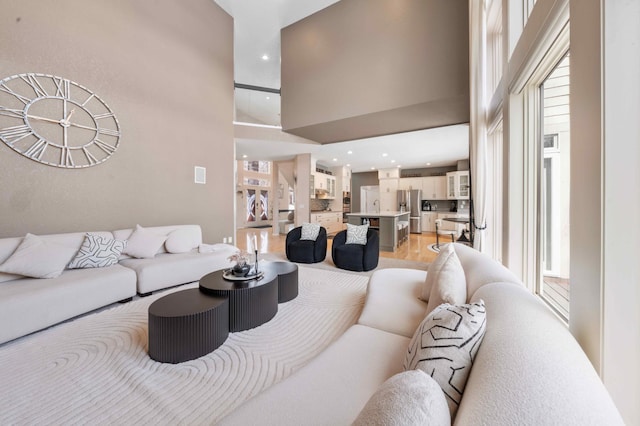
(96, 370)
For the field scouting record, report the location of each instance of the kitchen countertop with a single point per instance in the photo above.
(381, 214)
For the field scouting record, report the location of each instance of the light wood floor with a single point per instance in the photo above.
(416, 248)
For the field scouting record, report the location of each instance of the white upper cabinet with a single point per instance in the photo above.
(458, 185)
(410, 183)
(434, 188)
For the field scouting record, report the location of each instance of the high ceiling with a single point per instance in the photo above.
(257, 25)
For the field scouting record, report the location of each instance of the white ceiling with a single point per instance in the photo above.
(257, 25)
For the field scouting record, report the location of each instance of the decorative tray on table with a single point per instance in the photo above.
(227, 274)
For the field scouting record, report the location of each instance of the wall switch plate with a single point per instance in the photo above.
(224, 240)
(200, 174)
(230, 239)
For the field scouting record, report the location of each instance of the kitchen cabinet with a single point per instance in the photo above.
(331, 221)
(429, 221)
(434, 188)
(389, 173)
(458, 185)
(324, 183)
(410, 183)
(388, 195)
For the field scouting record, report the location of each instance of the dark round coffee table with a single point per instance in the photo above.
(287, 279)
(251, 303)
(186, 325)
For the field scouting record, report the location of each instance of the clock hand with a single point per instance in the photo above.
(65, 122)
(35, 117)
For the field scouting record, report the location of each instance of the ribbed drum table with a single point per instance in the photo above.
(186, 325)
(251, 302)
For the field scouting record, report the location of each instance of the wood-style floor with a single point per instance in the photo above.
(416, 248)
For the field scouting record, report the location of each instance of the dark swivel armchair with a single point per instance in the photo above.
(356, 257)
(306, 251)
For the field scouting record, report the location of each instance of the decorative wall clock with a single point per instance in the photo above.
(56, 121)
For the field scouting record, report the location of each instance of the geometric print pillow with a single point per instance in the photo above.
(310, 231)
(357, 234)
(445, 345)
(97, 252)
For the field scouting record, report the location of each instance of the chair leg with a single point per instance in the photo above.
(452, 239)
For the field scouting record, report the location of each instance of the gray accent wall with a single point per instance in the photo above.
(166, 69)
(363, 68)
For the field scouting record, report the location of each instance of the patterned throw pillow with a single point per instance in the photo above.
(357, 234)
(445, 345)
(310, 231)
(97, 252)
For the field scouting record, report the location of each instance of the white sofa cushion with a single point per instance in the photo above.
(166, 270)
(97, 252)
(530, 370)
(38, 258)
(392, 302)
(143, 244)
(30, 304)
(445, 344)
(408, 398)
(333, 387)
(183, 240)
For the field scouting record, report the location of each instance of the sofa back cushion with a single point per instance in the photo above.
(71, 240)
(480, 269)
(189, 236)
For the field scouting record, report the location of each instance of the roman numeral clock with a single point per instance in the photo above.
(55, 121)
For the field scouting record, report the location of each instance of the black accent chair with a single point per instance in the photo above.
(356, 257)
(306, 251)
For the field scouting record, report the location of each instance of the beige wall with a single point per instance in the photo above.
(363, 68)
(166, 70)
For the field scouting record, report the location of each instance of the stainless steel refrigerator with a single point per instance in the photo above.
(411, 201)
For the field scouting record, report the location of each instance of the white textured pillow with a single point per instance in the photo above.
(408, 398)
(143, 244)
(357, 234)
(310, 231)
(97, 252)
(37, 258)
(180, 241)
(445, 345)
(432, 272)
(449, 282)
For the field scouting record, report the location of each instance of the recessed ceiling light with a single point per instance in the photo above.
(265, 57)
(349, 152)
(399, 166)
(348, 165)
(373, 168)
(244, 156)
(268, 97)
(393, 161)
(335, 159)
(428, 164)
(384, 154)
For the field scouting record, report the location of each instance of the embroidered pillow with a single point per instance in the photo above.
(449, 282)
(408, 398)
(445, 345)
(143, 243)
(97, 252)
(357, 234)
(310, 231)
(38, 258)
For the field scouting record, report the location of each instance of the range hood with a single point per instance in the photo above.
(322, 193)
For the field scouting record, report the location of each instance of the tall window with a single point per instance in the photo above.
(554, 189)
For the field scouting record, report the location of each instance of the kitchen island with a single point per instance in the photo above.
(385, 222)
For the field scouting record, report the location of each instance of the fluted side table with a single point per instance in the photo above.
(186, 325)
(251, 303)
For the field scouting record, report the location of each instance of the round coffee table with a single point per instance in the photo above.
(186, 325)
(251, 302)
(287, 279)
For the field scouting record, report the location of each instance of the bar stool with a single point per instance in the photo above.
(440, 231)
(403, 231)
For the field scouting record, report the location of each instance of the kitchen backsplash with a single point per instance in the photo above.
(316, 205)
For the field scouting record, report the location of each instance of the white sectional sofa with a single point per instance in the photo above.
(31, 304)
(529, 370)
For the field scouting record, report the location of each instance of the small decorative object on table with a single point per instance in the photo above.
(242, 267)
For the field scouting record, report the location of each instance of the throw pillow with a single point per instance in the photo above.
(357, 234)
(310, 231)
(180, 241)
(143, 243)
(449, 282)
(434, 268)
(38, 258)
(445, 345)
(97, 252)
(408, 398)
